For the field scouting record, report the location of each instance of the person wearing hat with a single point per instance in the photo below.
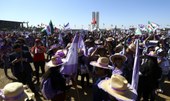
(83, 67)
(38, 51)
(164, 64)
(20, 65)
(15, 91)
(53, 84)
(117, 88)
(130, 53)
(117, 61)
(110, 45)
(102, 71)
(21, 41)
(150, 72)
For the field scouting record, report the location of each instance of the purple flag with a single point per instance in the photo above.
(135, 75)
(70, 68)
(81, 44)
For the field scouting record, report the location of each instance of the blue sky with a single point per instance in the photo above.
(79, 12)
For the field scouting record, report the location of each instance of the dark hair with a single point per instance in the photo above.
(16, 45)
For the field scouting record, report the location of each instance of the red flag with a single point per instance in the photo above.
(94, 21)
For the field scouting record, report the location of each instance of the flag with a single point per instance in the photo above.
(60, 39)
(94, 21)
(81, 45)
(154, 25)
(67, 26)
(49, 29)
(70, 67)
(149, 28)
(138, 32)
(135, 75)
(142, 27)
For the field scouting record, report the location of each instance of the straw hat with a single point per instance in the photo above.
(98, 42)
(55, 61)
(15, 92)
(117, 55)
(132, 47)
(102, 62)
(118, 48)
(88, 40)
(118, 87)
(109, 39)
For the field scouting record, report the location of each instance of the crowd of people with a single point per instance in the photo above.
(108, 61)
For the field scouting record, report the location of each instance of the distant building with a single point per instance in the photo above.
(10, 25)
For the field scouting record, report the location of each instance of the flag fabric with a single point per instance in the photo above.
(94, 21)
(142, 27)
(152, 26)
(138, 32)
(135, 75)
(149, 28)
(48, 29)
(70, 67)
(60, 39)
(67, 26)
(81, 44)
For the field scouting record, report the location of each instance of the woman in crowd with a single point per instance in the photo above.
(38, 51)
(53, 83)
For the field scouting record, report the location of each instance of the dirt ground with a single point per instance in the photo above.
(78, 94)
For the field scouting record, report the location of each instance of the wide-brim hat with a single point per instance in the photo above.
(98, 42)
(132, 47)
(109, 39)
(117, 55)
(15, 92)
(102, 62)
(118, 87)
(55, 61)
(61, 52)
(88, 40)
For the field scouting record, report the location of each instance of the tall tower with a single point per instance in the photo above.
(95, 20)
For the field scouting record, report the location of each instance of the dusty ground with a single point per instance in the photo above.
(79, 94)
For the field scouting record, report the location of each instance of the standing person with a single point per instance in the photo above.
(20, 65)
(53, 83)
(150, 72)
(83, 67)
(102, 69)
(119, 67)
(38, 51)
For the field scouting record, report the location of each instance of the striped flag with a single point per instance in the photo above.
(49, 29)
(135, 75)
(149, 28)
(152, 26)
(70, 68)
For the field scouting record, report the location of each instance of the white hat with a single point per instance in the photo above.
(55, 61)
(117, 55)
(102, 62)
(118, 87)
(15, 92)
